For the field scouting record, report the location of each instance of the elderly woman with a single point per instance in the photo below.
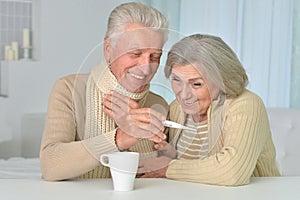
(84, 121)
(229, 138)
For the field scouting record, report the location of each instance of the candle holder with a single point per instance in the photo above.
(26, 53)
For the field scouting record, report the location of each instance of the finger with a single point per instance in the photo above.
(155, 139)
(146, 134)
(147, 175)
(157, 164)
(139, 175)
(143, 169)
(158, 137)
(157, 146)
(154, 174)
(115, 103)
(108, 112)
(109, 103)
(161, 145)
(148, 131)
(150, 116)
(119, 103)
(111, 109)
(152, 128)
(149, 111)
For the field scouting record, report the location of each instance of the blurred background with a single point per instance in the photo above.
(65, 37)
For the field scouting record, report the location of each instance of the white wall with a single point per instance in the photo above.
(260, 32)
(66, 30)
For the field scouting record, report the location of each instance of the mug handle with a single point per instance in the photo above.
(104, 159)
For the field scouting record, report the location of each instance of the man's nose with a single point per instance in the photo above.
(145, 64)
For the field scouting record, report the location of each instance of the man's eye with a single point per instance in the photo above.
(155, 58)
(197, 84)
(174, 79)
(136, 54)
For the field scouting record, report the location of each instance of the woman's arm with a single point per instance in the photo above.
(245, 133)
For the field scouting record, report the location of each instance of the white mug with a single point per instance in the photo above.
(123, 167)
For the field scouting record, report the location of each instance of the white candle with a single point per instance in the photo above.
(7, 47)
(15, 48)
(26, 37)
(10, 54)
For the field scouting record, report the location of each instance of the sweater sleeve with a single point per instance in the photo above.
(61, 156)
(245, 132)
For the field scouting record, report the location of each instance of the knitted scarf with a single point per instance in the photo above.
(100, 82)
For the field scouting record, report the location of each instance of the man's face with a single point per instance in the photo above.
(135, 57)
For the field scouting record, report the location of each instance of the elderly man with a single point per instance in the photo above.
(111, 109)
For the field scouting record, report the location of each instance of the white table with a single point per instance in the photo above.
(274, 188)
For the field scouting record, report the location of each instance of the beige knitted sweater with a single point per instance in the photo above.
(69, 149)
(244, 148)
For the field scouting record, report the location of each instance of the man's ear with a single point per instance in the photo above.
(107, 49)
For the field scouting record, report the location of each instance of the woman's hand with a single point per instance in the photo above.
(153, 167)
(165, 149)
(157, 167)
(133, 120)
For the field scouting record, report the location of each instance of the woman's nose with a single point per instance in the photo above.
(186, 91)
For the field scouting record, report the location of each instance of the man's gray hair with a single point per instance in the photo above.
(135, 12)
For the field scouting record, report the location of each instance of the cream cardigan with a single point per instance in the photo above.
(244, 149)
(64, 153)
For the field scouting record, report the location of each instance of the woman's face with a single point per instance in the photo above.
(191, 90)
(136, 56)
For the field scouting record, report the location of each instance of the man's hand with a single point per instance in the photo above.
(133, 120)
(124, 141)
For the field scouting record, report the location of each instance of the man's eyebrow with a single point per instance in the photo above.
(158, 51)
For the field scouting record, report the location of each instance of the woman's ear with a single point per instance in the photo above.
(107, 49)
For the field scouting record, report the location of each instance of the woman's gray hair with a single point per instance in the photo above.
(213, 57)
(135, 12)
